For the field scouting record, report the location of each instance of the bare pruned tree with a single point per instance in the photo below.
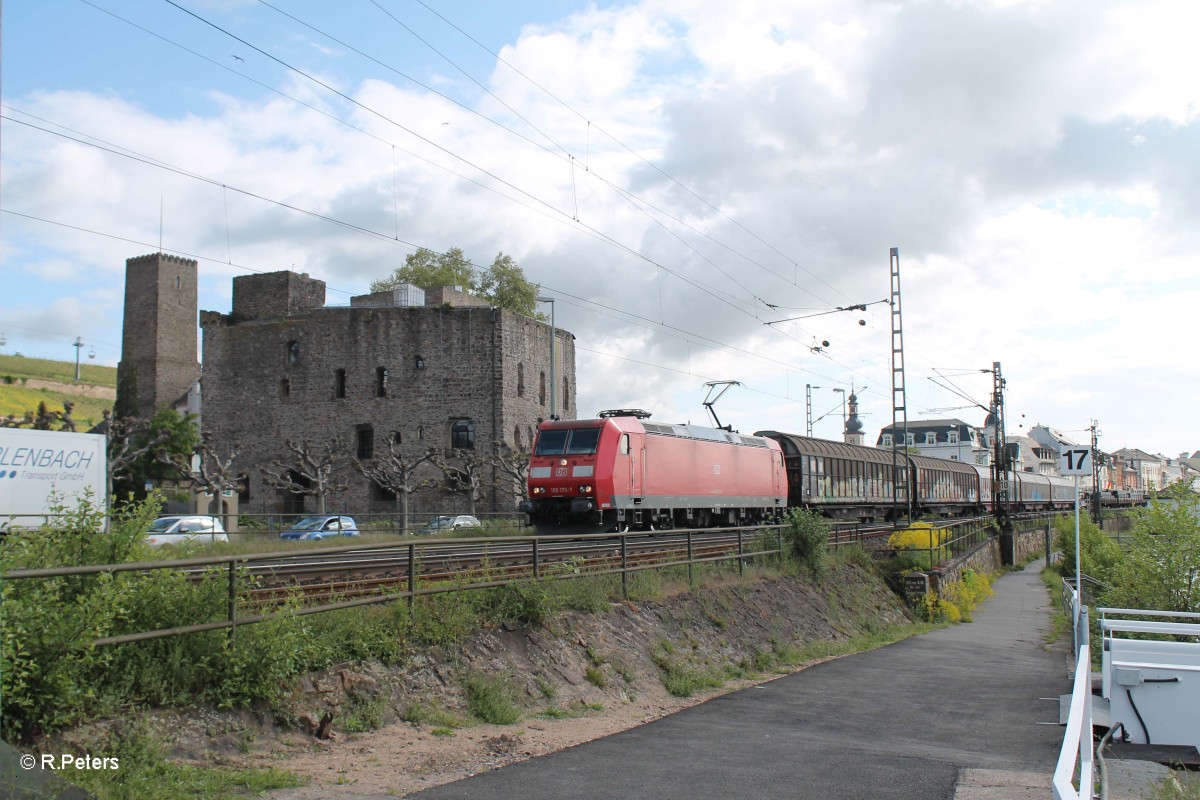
(396, 473)
(513, 466)
(463, 471)
(205, 468)
(312, 470)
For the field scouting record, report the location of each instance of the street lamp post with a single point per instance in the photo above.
(553, 373)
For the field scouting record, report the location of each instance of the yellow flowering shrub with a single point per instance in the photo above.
(957, 599)
(919, 539)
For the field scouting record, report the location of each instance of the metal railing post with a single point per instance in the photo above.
(412, 582)
(691, 576)
(741, 549)
(232, 599)
(536, 566)
(625, 566)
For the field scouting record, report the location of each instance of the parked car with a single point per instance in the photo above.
(450, 523)
(321, 528)
(181, 528)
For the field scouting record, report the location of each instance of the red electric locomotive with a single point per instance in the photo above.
(620, 472)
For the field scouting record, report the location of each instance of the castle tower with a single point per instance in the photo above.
(159, 341)
(854, 427)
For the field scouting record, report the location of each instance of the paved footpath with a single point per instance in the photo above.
(956, 714)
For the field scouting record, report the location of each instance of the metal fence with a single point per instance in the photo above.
(350, 576)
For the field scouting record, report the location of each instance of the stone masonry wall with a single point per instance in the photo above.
(441, 364)
(275, 294)
(158, 344)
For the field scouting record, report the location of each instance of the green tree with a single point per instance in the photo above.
(142, 453)
(504, 284)
(428, 269)
(1101, 556)
(1161, 569)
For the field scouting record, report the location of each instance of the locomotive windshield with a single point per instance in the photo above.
(569, 441)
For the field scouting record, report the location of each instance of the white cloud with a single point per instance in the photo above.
(1034, 162)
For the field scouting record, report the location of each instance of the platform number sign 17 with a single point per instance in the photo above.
(1075, 461)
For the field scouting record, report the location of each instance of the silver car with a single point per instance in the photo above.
(450, 523)
(181, 528)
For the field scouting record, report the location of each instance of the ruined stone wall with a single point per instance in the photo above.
(315, 375)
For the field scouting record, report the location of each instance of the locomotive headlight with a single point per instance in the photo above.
(562, 462)
(585, 489)
(539, 490)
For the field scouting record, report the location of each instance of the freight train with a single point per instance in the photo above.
(621, 472)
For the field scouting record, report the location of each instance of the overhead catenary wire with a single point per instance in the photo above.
(596, 233)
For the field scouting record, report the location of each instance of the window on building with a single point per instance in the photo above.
(381, 378)
(887, 440)
(397, 438)
(520, 380)
(293, 352)
(952, 437)
(462, 434)
(285, 388)
(930, 438)
(517, 437)
(421, 434)
(566, 397)
(910, 439)
(339, 383)
(364, 438)
(542, 388)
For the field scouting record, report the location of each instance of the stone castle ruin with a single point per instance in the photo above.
(403, 369)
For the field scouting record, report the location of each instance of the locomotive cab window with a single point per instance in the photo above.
(583, 441)
(572, 441)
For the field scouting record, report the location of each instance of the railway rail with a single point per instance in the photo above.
(265, 586)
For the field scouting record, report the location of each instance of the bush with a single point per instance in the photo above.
(921, 543)
(491, 699)
(1101, 556)
(808, 535)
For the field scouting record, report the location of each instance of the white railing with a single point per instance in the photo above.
(1077, 741)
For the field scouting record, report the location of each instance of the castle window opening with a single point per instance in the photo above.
(542, 389)
(381, 378)
(285, 388)
(521, 379)
(517, 437)
(293, 352)
(365, 441)
(462, 434)
(566, 393)
(339, 383)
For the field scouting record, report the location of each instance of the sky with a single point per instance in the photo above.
(701, 186)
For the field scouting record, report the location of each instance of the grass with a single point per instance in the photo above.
(16, 397)
(145, 774)
(420, 713)
(491, 699)
(19, 367)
